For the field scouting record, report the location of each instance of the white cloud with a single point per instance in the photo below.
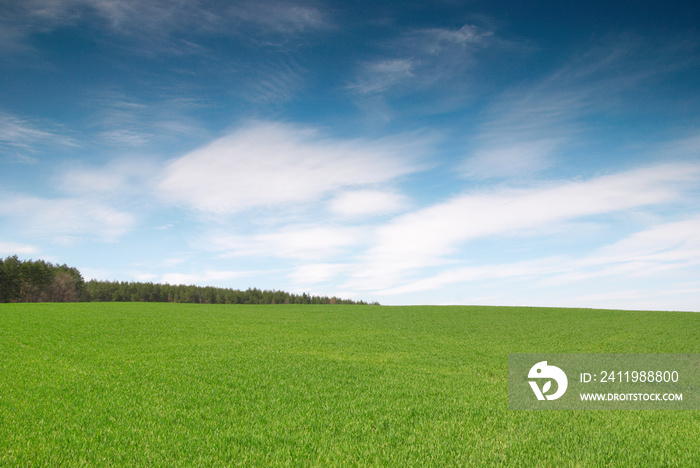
(65, 219)
(524, 269)
(527, 130)
(382, 75)
(534, 125)
(99, 274)
(657, 250)
(313, 273)
(272, 82)
(435, 41)
(25, 135)
(357, 203)
(427, 237)
(270, 164)
(645, 270)
(15, 248)
(123, 136)
(119, 177)
(511, 160)
(127, 122)
(660, 298)
(119, 15)
(684, 148)
(18, 132)
(677, 241)
(158, 25)
(303, 242)
(422, 58)
(12, 39)
(144, 277)
(204, 278)
(280, 17)
(654, 252)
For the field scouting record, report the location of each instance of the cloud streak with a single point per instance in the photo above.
(15, 248)
(272, 164)
(280, 16)
(429, 236)
(204, 278)
(312, 242)
(420, 59)
(26, 136)
(665, 251)
(356, 203)
(533, 126)
(158, 26)
(65, 220)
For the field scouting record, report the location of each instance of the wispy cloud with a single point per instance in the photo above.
(532, 126)
(282, 17)
(25, 136)
(274, 82)
(654, 253)
(159, 25)
(666, 246)
(18, 132)
(382, 75)
(12, 39)
(115, 179)
(527, 129)
(315, 273)
(203, 278)
(272, 164)
(124, 121)
(420, 59)
(434, 41)
(429, 236)
(16, 248)
(515, 159)
(65, 220)
(364, 203)
(530, 269)
(684, 149)
(307, 242)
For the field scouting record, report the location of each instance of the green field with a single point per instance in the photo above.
(135, 384)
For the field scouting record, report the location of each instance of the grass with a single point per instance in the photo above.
(131, 384)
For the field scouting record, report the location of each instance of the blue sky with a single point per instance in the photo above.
(508, 153)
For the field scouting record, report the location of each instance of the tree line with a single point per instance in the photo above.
(41, 281)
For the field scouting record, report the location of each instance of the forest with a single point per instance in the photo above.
(42, 281)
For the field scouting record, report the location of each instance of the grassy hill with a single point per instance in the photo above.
(135, 384)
